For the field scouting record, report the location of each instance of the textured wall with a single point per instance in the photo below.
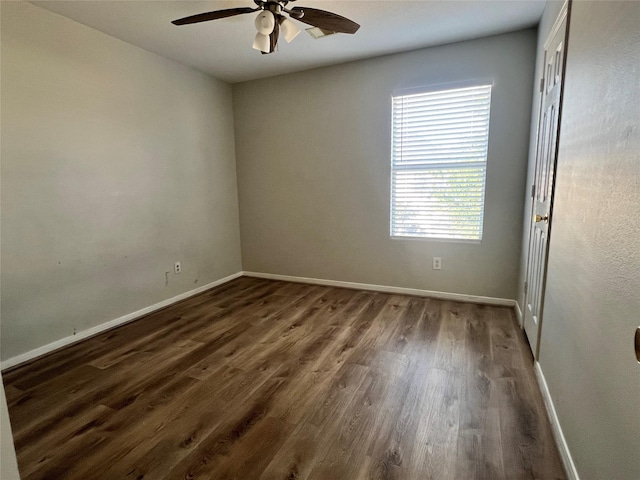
(592, 304)
(115, 164)
(313, 155)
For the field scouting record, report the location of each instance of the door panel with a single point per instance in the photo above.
(546, 152)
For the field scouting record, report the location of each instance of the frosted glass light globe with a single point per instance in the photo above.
(265, 22)
(262, 43)
(289, 29)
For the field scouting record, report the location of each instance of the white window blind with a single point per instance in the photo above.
(439, 163)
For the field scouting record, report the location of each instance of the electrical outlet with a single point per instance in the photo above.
(177, 268)
(437, 263)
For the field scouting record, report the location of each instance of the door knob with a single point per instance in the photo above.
(540, 218)
(638, 344)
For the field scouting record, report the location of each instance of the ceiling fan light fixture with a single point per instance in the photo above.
(262, 43)
(265, 22)
(289, 29)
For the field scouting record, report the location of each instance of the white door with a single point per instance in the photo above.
(542, 188)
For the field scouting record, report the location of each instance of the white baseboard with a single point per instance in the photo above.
(519, 314)
(565, 454)
(503, 302)
(83, 335)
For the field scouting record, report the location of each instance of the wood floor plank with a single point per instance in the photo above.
(297, 455)
(392, 443)
(365, 437)
(210, 453)
(119, 385)
(260, 379)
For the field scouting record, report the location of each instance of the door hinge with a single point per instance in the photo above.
(533, 190)
(526, 288)
(542, 85)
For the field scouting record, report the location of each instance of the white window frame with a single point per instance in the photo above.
(434, 167)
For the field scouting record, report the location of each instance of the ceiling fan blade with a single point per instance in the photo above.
(325, 20)
(205, 17)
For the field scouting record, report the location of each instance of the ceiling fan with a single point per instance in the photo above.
(271, 20)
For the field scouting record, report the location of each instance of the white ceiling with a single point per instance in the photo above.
(222, 48)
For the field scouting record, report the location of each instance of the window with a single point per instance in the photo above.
(439, 163)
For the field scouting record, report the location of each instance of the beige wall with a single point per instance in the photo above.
(592, 303)
(313, 155)
(115, 164)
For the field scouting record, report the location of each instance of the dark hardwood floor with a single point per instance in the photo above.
(259, 379)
